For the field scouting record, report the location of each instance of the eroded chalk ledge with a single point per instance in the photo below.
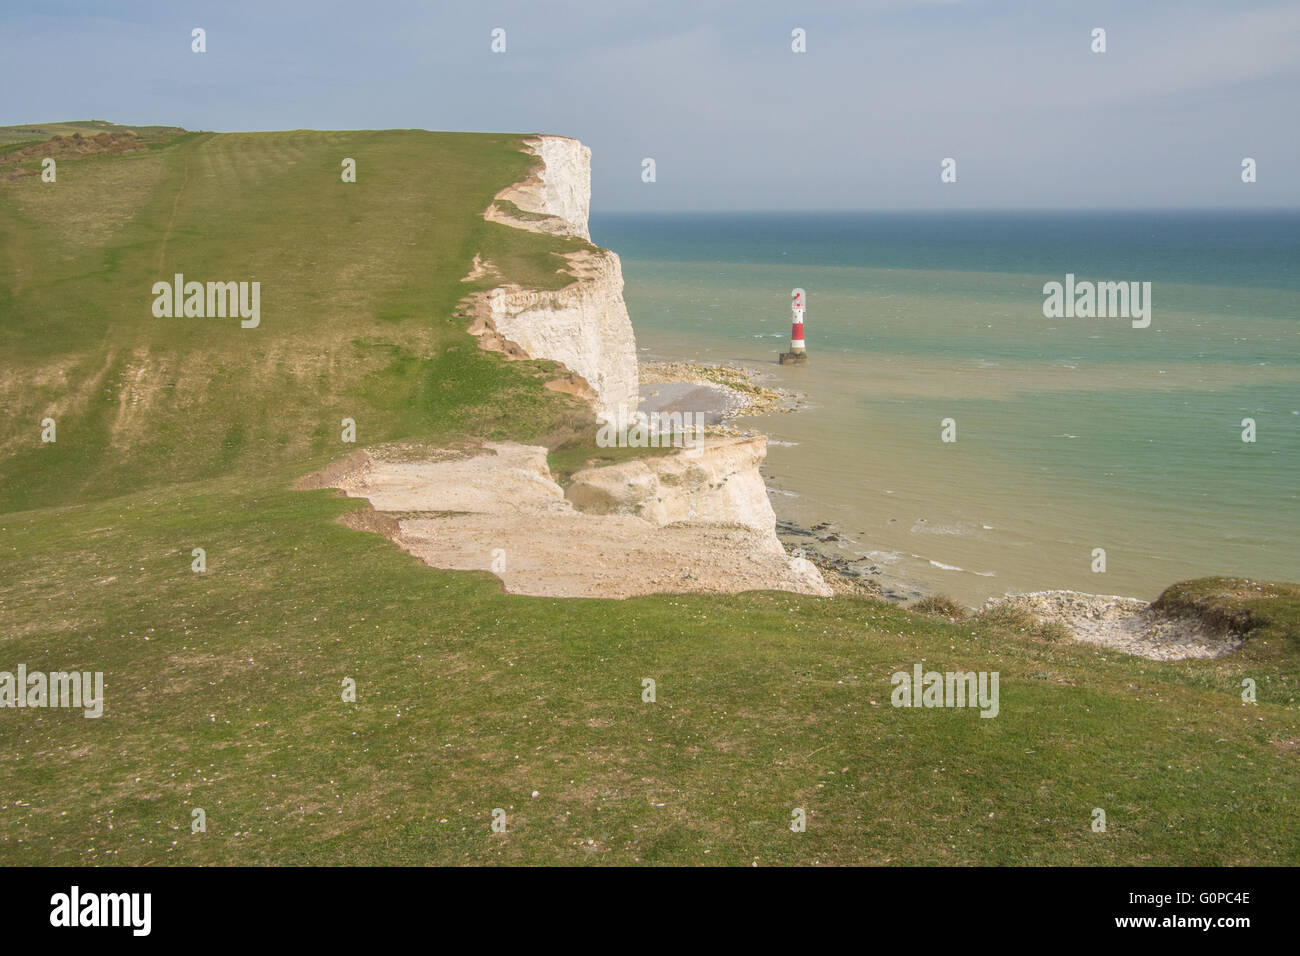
(671, 524)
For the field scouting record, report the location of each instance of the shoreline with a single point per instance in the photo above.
(586, 328)
(724, 391)
(728, 391)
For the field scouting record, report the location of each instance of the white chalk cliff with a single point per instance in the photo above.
(584, 325)
(558, 189)
(497, 508)
(717, 482)
(696, 520)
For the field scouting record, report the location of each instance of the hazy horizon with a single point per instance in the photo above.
(713, 92)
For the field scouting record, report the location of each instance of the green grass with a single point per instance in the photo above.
(1268, 611)
(12, 145)
(39, 132)
(224, 688)
(224, 692)
(1016, 620)
(581, 451)
(940, 605)
(359, 283)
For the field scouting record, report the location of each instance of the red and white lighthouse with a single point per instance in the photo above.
(796, 353)
(796, 327)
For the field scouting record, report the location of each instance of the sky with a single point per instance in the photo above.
(713, 92)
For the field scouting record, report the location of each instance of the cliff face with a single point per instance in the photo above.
(560, 188)
(697, 520)
(497, 508)
(585, 325)
(719, 484)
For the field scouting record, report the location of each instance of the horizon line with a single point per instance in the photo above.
(936, 209)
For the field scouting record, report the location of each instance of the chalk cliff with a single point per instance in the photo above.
(497, 508)
(558, 190)
(717, 482)
(690, 521)
(584, 325)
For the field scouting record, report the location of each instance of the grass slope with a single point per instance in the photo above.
(359, 282)
(12, 137)
(224, 688)
(224, 692)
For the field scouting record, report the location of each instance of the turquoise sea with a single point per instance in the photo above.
(1072, 434)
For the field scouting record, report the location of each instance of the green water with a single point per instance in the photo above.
(1072, 434)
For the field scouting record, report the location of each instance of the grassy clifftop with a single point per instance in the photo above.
(224, 688)
(224, 693)
(41, 132)
(1267, 612)
(358, 285)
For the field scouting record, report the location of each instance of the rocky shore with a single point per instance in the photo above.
(1125, 624)
(726, 390)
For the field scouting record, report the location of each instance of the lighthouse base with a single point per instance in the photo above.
(794, 358)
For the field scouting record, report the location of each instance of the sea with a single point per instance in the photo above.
(1084, 453)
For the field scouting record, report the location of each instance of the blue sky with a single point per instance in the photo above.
(712, 91)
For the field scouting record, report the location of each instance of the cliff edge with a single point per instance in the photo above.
(496, 508)
(697, 520)
(584, 325)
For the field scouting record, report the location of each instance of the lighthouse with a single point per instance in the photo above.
(796, 355)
